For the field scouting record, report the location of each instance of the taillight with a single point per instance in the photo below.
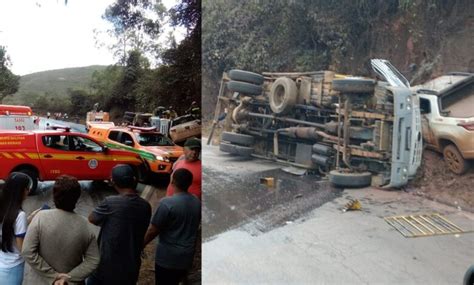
(468, 126)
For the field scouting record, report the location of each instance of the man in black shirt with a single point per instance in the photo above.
(176, 221)
(123, 220)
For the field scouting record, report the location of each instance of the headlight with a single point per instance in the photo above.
(160, 158)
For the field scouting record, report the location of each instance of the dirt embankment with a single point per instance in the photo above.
(436, 182)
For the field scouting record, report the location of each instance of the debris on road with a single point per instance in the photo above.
(268, 181)
(423, 225)
(353, 205)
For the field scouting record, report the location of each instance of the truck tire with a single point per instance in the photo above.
(244, 88)
(454, 160)
(355, 85)
(235, 149)
(283, 95)
(239, 139)
(33, 175)
(246, 76)
(351, 180)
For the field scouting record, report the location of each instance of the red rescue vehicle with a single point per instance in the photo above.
(44, 155)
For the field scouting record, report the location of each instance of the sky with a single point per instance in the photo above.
(47, 34)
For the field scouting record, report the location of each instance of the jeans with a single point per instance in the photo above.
(13, 275)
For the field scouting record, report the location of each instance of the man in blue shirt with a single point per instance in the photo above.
(176, 221)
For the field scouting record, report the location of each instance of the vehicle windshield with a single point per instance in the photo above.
(153, 139)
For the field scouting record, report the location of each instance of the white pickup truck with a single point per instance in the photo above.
(447, 108)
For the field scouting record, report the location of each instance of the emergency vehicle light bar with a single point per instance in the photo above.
(144, 129)
(58, 127)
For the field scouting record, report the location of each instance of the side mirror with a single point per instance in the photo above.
(105, 149)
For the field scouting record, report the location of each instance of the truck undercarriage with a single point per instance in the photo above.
(358, 130)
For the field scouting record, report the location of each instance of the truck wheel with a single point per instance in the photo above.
(235, 138)
(246, 76)
(454, 160)
(283, 95)
(355, 85)
(244, 88)
(235, 149)
(346, 179)
(33, 175)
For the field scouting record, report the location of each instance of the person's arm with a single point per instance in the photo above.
(19, 243)
(30, 250)
(151, 234)
(89, 263)
(158, 222)
(100, 213)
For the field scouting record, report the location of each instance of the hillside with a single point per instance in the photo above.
(52, 82)
(422, 38)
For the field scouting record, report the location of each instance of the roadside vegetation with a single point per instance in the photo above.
(147, 74)
(419, 37)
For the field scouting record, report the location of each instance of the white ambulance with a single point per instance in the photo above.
(18, 118)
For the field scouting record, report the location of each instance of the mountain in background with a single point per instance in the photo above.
(52, 83)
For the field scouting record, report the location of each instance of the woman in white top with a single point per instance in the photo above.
(13, 228)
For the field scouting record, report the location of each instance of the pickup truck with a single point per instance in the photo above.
(45, 155)
(179, 129)
(447, 109)
(156, 149)
(357, 130)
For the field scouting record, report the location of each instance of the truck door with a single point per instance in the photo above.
(72, 155)
(426, 116)
(95, 163)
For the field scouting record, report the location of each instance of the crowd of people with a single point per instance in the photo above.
(61, 247)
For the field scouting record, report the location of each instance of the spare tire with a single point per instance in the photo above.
(350, 179)
(283, 95)
(244, 88)
(246, 76)
(235, 149)
(353, 85)
(240, 139)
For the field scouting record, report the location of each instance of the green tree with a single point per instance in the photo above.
(9, 82)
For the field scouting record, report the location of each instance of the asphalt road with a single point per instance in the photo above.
(74, 127)
(297, 233)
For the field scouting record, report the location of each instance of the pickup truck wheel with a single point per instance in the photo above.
(235, 149)
(454, 160)
(347, 179)
(355, 85)
(244, 88)
(235, 138)
(246, 76)
(283, 95)
(34, 179)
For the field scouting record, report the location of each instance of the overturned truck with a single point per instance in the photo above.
(357, 130)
